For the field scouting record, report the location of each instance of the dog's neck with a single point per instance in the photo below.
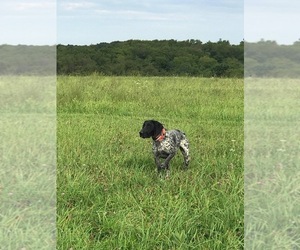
(161, 136)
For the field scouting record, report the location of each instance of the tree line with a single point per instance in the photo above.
(27, 60)
(269, 59)
(153, 58)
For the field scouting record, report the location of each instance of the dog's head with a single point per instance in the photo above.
(151, 128)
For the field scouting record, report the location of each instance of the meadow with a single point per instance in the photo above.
(109, 195)
(271, 160)
(28, 162)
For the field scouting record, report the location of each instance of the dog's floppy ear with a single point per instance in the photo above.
(157, 127)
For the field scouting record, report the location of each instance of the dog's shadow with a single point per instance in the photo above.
(145, 164)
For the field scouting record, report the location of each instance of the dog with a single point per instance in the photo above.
(165, 144)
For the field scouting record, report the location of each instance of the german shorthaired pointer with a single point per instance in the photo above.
(165, 143)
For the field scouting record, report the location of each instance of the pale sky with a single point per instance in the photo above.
(276, 20)
(41, 22)
(86, 22)
(28, 22)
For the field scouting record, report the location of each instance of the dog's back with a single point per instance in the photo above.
(174, 139)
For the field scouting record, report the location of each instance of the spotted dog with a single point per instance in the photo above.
(165, 144)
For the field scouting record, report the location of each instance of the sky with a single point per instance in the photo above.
(84, 22)
(30, 22)
(276, 20)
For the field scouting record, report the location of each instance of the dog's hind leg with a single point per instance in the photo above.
(184, 148)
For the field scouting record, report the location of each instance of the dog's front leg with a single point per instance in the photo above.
(161, 166)
(166, 163)
(157, 162)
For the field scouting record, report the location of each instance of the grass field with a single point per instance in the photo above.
(272, 156)
(108, 193)
(28, 162)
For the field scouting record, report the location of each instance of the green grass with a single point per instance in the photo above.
(28, 159)
(272, 178)
(108, 193)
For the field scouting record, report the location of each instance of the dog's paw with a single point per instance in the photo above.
(167, 174)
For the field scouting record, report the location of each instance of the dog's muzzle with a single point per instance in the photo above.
(143, 134)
